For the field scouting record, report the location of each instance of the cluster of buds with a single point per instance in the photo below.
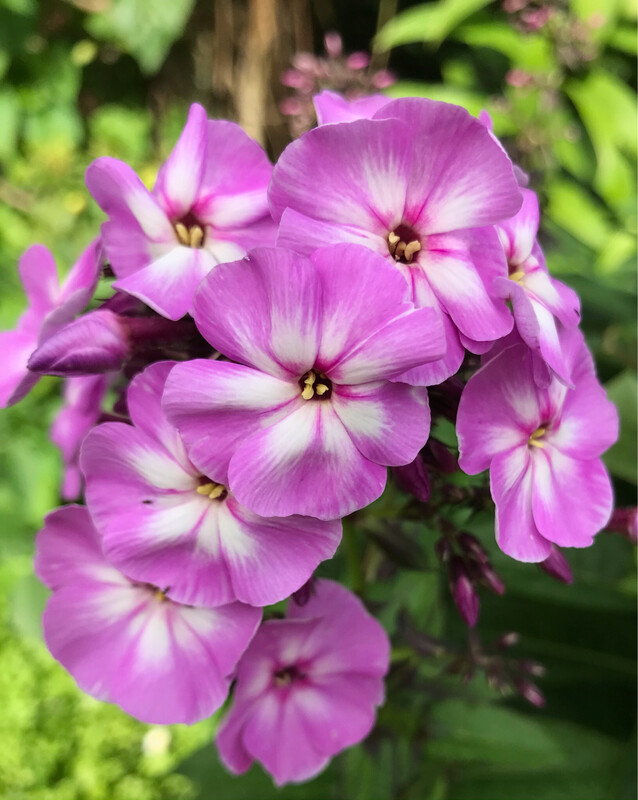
(350, 75)
(508, 676)
(468, 567)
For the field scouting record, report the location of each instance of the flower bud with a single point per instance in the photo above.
(437, 455)
(463, 592)
(531, 693)
(625, 521)
(492, 580)
(92, 344)
(443, 549)
(557, 566)
(414, 478)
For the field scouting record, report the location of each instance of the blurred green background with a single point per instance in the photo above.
(85, 78)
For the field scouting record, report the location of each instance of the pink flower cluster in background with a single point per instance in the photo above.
(267, 354)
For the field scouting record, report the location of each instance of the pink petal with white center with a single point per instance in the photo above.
(168, 284)
(332, 107)
(233, 190)
(304, 234)
(261, 233)
(161, 662)
(461, 178)
(499, 409)
(436, 372)
(276, 735)
(263, 311)
(588, 420)
(69, 550)
(122, 195)
(367, 319)
(349, 639)
(39, 277)
(453, 276)
(270, 558)
(143, 399)
(559, 299)
(180, 176)
(216, 406)
(304, 464)
(388, 422)
(511, 483)
(573, 499)
(518, 233)
(355, 174)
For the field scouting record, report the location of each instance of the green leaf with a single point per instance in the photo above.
(577, 212)
(527, 51)
(144, 28)
(426, 23)
(10, 116)
(621, 459)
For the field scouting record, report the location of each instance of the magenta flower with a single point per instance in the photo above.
(542, 305)
(334, 107)
(542, 447)
(208, 205)
(417, 183)
(126, 642)
(166, 523)
(307, 687)
(310, 417)
(51, 306)
(83, 397)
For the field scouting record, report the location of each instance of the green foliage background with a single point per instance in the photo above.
(82, 79)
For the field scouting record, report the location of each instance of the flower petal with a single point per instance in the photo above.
(511, 481)
(39, 277)
(461, 178)
(180, 176)
(304, 464)
(263, 311)
(333, 107)
(573, 499)
(518, 233)
(499, 409)
(388, 422)
(216, 406)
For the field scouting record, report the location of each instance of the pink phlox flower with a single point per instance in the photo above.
(208, 206)
(542, 305)
(542, 446)
(51, 306)
(309, 419)
(307, 687)
(126, 642)
(166, 523)
(421, 183)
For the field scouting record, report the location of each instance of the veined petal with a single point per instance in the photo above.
(304, 234)
(388, 422)
(304, 464)
(355, 174)
(39, 277)
(572, 499)
(161, 662)
(263, 311)
(216, 406)
(15, 379)
(511, 480)
(461, 177)
(518, 233)
(499, 409)
(560, 300)
(168, 284)
(180, 177)
(332, 107)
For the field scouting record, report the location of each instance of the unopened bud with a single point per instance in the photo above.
(414, 478)
(443, 549)
(463, 592)
(625, 521)
(437, 455)
(507, 640)
(492, 580)
(557, 566)
(531, 693)
(472, 547)
(303, 595)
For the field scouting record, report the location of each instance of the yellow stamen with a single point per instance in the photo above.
(536, 436)
(205, 488)
(308, 392)
(196, 236)
(182, 233)
(517, 276)
(399, 250)
(160, 596)
(393, 241)
(217, 491)
(410, 250)
(310, 379)
(321, 388)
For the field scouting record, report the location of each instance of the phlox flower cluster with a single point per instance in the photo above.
(268, 351)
